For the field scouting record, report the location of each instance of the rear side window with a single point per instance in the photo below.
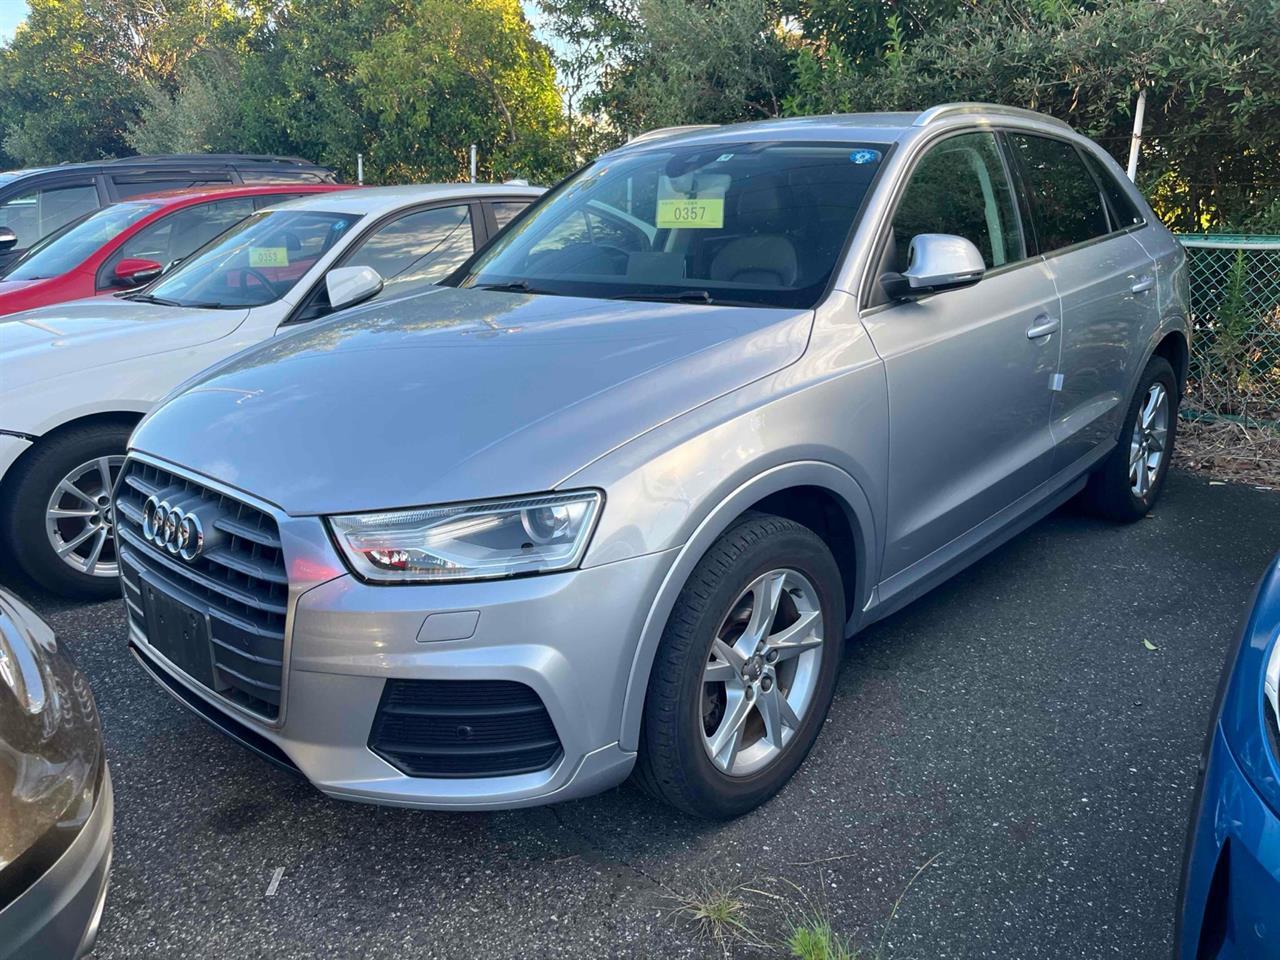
(139, 186)
(504, 211)
(1067, 202)
(960, 188)
(37, 213)
(1124, 212)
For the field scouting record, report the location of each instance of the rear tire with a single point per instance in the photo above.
(792, 673)
(1128, 483)
(25, 519)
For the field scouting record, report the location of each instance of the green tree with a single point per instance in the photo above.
(203, 114)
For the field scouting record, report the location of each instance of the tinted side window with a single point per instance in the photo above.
(418, 249)
(960, 188)
(1124, 212)
(127, 188)
(504, 211)
(182, 233)
(37, 213)
(1067, 203)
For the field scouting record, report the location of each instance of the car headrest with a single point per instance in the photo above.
(764, 260)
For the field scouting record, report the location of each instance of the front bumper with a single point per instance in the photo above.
(11, 448)
(57, 916)
(570, 637)
(1230, 908)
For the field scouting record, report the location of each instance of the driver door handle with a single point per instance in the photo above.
(1143, 284)
(1042, 326)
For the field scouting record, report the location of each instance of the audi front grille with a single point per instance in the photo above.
(215, 609)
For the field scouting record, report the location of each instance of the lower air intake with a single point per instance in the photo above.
(463, 728)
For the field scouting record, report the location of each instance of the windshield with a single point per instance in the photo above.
(757, 224)
(67, 248)
(255, 262)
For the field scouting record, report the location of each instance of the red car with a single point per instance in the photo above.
(129, 244)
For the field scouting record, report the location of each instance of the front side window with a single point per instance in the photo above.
(254, 263)
(417, 249)
(755, 224)
(69, 247)
(37, 213)
(179, 234)
(1067, 203)
(960, 188)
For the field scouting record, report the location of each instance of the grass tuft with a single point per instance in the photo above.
(813, 939)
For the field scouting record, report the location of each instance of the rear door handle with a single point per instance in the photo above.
(1143, 284)
(1042, 326)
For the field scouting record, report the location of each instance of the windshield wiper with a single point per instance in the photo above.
(513, 286)
(150, 298)
(684, 296)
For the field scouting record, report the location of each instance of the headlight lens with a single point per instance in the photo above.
(1271, 687)
(469, 541)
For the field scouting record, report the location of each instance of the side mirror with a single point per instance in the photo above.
(8, 239)
(939, 261)
(348, 286)
(135, 271)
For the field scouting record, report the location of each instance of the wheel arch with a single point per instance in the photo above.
(129, 418)
(813, 493)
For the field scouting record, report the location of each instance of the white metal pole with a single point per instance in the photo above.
(473, 163)
(1139, 112)
(360, 169)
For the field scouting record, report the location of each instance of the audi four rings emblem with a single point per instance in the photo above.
(172, 528)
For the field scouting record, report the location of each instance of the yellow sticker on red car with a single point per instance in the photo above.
(684, 213)
(268, 256)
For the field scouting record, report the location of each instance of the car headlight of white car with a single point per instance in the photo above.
(469, 541)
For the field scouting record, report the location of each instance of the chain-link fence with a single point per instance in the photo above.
(1235, 311)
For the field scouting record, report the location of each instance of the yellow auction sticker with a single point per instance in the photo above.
(705, 213)
(268, 256)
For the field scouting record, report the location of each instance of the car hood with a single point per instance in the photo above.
(458, 395)
(13, 286)
(83, 334)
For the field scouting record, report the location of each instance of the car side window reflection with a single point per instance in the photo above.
(960, 188)
(418, 249)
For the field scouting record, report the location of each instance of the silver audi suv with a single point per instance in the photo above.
(609, 501)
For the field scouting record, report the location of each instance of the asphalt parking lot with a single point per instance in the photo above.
(1014, 724)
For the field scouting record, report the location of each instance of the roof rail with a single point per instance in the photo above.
(945, 110)
(662, 132)
(220, 157)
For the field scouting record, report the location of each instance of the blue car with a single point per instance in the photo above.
(1229, 906)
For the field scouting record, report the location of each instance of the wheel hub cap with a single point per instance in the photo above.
(1150, 438)
(762, 671)
(78, 520)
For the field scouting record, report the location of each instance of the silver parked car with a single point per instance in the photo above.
(612, 499)
(56, 804)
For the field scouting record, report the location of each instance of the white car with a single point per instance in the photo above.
(76, 378)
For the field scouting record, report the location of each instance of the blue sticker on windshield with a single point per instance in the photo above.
(865, 156)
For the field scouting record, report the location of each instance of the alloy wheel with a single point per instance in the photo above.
(78, 519)
(1149, 442)
(762, 671)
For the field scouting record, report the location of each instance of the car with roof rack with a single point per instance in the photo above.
(37, 201)
(75, 378)
(609, 500)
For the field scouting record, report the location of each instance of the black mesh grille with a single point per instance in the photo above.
(463, 728)
(238, 581)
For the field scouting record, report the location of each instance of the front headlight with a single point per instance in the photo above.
(1271, 690)
(469, 541)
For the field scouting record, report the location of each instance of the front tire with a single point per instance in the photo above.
(745, 670)
(1128, 483)
(57, 523)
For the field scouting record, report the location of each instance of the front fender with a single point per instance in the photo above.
(803, 473)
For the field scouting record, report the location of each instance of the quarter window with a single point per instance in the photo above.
(504, 211)
(1067, 202)
(1124, 212)
(960, 188)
